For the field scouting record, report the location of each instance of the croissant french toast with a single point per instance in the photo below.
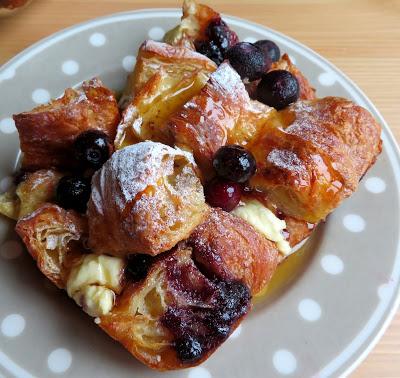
(179, 312)
(49, 234)
(47, 132)
(32, 192)
(163, 224)
(188, 304)
(165, 77)
(223, 242)
(195, 19)
(145, 199)
(313, 154)
(222, 113)
(153, 58)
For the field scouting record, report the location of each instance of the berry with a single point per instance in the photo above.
(248, 60)
(278, 88)
(223, 194)
(270, 49)
(138, 266)
(73, 192)
(220, 33)
(92, 149)
(219, 39)
(217, 325)
(188, 349)
(234, 163)
(234, 298)
(210, 50)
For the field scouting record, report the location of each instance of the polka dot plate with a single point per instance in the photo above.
(324, 310)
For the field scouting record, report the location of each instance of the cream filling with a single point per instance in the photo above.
(94, 281)
(265, 222)
(95, 300)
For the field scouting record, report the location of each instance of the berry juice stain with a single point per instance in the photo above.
(205, 311)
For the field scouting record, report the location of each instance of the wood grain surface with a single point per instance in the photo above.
(361, 37)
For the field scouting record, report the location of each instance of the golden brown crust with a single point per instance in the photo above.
(310, 155)
(135, 320)
(232, 249)
(313, 155)
(194, 22)
(307, 92)
(154, 58)
(221, 113)
(165, 77)
(49, 234)
(47, 132)
(145, 199)
(36, 189)
(138, 319)
(298, 230)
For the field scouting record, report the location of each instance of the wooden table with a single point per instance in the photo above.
(362, 39)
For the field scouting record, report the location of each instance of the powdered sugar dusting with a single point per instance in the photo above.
(131, 170)
(144, 195)
(285, 159)
(230, 82)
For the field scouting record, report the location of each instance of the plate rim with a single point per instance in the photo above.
(387, 135)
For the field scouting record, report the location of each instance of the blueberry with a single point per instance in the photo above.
(270, 49)
(217, 325)
(138, 266)
(219, 39)
(223, 194)
(278, 88)
(235, 296)
(92, 149)
(210, 50)
(73, 192)
(234, 163)
(220, 33)
(248, 60)
(189, 349)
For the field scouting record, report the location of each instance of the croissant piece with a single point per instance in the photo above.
(177, 316)
(47, 132)
(194, 22)
(231, 249)
(165, 77)
(222, 113)
(177, 63)
(173, 318)
(309, 156)
(313, 154)
(53, 236)
(297, 230)
(35, 190)
(145, 199)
